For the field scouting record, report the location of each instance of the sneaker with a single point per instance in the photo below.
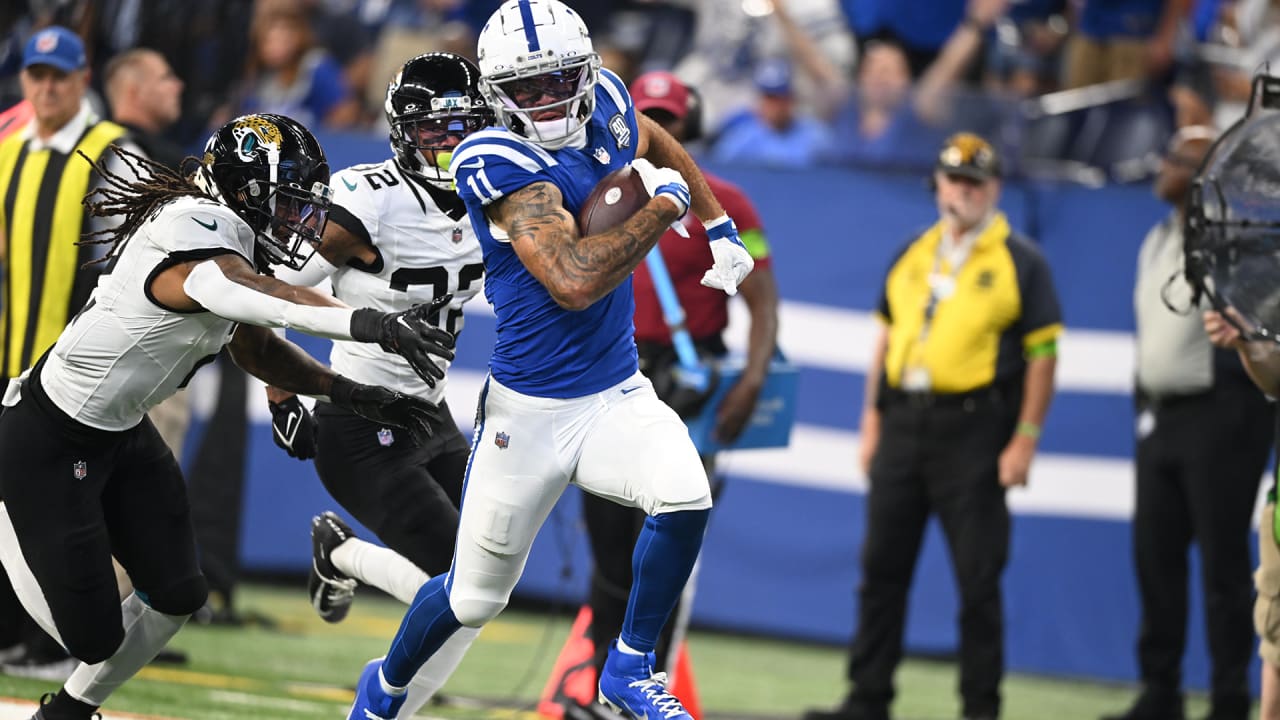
(371, 702)
(630, 687)
(331, 591)
(38, 668)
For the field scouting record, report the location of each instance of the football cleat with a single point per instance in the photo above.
(630, 687)
(45, 700)
(372, 702)
(331, 591)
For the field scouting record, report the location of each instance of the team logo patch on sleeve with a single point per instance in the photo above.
(502, 440)
(620, 130)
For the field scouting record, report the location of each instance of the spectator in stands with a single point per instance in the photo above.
(55, 81)
(920, 27)
(730, 43)
(145, 97)
(960, 381)
(1025, 51)
(882, 119)
(1203, 439)
(288, 73)
(1128, 40)
(774, 133)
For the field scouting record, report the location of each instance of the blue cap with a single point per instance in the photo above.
(56, 46)
(773, 77)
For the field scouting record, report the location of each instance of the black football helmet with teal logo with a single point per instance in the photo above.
(272, 172)
(433, 102)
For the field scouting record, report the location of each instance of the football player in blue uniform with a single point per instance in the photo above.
(565, 401)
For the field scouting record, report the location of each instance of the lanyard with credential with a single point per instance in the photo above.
(942, 285)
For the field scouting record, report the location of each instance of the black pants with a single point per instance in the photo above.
(1198, 471)
(76, 497)
(408, 495)
(943, 460)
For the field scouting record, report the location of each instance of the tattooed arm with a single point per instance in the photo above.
(577, 271)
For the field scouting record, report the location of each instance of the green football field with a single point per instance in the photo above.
(303, 668)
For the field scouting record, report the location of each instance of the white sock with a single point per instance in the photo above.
(627, 648)
(380, 567)
(433, 675)
(146, 630)
(387, 687)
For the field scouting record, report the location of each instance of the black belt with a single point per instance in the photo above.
(894, 397)
(1164, 401)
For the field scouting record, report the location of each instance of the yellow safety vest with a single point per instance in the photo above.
(42, 218)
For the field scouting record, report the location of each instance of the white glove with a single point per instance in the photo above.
(664, 181)
(732, 261)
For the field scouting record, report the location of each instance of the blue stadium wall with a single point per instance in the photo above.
(781, 555)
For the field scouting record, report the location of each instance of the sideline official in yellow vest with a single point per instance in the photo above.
(961, 378)
(42, 183)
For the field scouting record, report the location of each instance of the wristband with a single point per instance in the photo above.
(1029, 429)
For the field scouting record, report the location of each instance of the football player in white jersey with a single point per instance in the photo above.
(397, 236)
(565, 401)
(84, 475)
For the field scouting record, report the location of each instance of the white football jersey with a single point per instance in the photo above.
(423, 253)
(124, 353)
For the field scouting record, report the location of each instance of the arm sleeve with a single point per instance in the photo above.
(228, 299)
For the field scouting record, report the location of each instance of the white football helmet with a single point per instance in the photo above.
(538, 70)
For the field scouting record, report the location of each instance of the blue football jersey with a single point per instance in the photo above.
(542, 349)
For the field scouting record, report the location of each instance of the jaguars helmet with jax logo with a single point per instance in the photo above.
(432, 98)
(272, 172)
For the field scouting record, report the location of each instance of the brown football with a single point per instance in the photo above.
(615, 198)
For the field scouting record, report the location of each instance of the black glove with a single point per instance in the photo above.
(386, 406)
(409, 334)
(293, 427)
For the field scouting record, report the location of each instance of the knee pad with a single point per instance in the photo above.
(183, 597)
(477, 608)
(677, 494)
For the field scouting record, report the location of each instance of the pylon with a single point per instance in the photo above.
(573, 677)
(682, 683)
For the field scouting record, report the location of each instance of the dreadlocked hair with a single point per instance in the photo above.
(138, 200)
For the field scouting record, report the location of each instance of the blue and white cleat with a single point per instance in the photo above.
(630, 687)
(372, 702)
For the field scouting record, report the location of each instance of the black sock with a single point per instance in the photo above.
(65, 707)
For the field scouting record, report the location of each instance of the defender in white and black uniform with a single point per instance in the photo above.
(84, 475)
(397, 236)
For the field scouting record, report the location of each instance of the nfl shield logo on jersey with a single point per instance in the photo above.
(502, 440)
(457, 234)
(385, 438)
(80, 470)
